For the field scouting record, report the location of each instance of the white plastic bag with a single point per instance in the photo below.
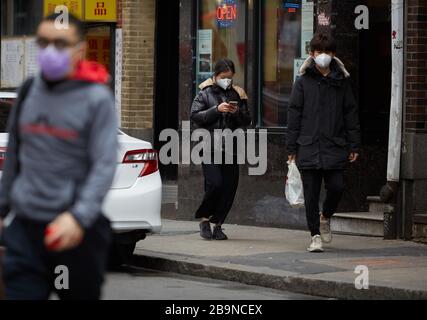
(293, 190)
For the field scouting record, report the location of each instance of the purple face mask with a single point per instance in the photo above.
(54, 63)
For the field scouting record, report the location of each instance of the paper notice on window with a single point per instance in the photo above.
(12, 62)
(307, 29)
(204, 63)
(31, 66)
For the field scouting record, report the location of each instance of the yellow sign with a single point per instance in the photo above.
(100, 10)
(75, 7)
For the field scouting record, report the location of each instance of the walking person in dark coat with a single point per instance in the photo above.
(219, 105)
(323, 133)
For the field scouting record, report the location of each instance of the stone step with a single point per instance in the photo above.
(375, 204)
(359, 223)
(420, 218)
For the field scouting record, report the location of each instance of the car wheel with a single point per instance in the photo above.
(120, 254)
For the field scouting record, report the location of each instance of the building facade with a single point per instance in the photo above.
(159, 51)
(268, 40)
(121, 37)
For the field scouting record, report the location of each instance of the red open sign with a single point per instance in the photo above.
(226, 12)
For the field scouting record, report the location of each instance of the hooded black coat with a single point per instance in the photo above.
(323, 120)
(204, 110)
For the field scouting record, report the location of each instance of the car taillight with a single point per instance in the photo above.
(2, 156)
(148, 157)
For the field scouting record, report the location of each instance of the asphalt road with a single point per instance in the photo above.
(141, 284)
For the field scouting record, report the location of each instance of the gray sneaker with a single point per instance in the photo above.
(316, 244)
(218, 234)
(205, 230)
(325, 230)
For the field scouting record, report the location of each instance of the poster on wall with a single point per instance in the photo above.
(12, 62)
(118, 74)
(31, 67)
(307, 29)
(204, 58)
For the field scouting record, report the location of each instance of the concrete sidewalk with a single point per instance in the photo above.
(277, 258)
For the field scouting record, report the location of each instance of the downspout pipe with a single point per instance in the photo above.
(388, 192)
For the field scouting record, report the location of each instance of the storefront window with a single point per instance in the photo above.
(19, 22)
(221, 34)
(20, 17)
(99, 45)
(287, 30)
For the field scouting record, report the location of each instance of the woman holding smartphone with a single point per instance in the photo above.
(219, 105)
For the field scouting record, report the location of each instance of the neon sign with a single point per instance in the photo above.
(292, 5)
(226, 14)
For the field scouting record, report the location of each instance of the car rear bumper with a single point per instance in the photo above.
(137, 207)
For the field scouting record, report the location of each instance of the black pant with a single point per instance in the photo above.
(221, 181)
(312, 182)
(31, 272)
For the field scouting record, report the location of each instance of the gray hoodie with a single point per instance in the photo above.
(67, 152)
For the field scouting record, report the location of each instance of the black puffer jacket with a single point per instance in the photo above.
(204, 112)
(323, 120)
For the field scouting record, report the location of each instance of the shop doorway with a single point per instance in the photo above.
(166, 81)
(375, 73)
(375, 91)
(368, 175)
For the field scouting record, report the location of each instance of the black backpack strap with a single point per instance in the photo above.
(25, 88)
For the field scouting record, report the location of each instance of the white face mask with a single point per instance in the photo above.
(224, 83)
(323, 60)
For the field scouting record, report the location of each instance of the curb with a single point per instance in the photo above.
(275, 280)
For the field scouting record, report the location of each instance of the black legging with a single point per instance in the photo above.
(221, 181)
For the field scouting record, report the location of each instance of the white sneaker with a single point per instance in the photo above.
(316, 244)
(325, 230)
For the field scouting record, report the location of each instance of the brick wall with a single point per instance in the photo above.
(119, 13)
(138, 23)
(416, 66)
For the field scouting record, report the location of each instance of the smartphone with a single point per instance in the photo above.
(234, 104)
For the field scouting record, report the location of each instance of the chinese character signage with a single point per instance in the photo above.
(98, 10)
(226, 13)
(98, 49)
(75, 7)
(87, 10)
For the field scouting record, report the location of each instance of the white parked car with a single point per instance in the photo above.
(133, 203)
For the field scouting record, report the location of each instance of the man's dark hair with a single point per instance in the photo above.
(323, 42)
(72, 20)
(224, 65)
